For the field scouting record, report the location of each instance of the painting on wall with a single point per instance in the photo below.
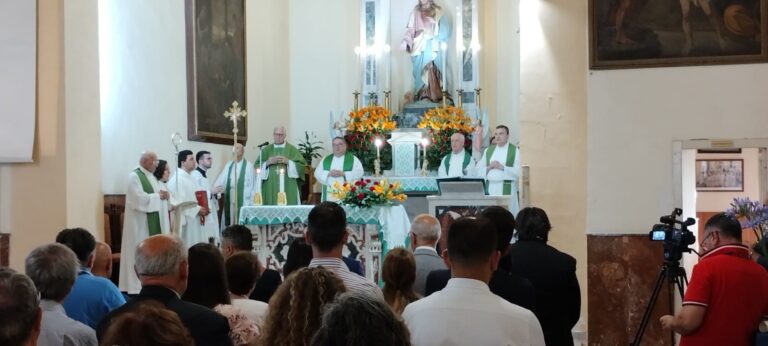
(652, 33)
(215, 68)
(720, 175)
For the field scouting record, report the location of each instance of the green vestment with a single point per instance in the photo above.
(271, 186)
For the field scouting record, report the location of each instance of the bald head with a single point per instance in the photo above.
(162, 260)
(279, 134)
(425, 231)
(102, 263)
(239, 151)
(148, 161)
(457, 143)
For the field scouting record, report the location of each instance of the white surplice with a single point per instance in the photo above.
(495, 177)
(135, 227)
(248, 186)
(212, 220)
(183, 186)
(337, 163)
(457, 167)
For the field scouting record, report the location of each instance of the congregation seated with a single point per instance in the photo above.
(53, 268)
(238, 238)
(358, 319)
(102, 263)
(242, 274)
(147, 323)
(162, 269)
(512, 287)
(208, 287)
(465, 312)
(424, 235)
(91, 297)
(20, 313)
(327, 234)
(398, 274)
(552, 273)
(295, 309)
(299, 255)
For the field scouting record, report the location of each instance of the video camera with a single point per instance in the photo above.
(676, 240)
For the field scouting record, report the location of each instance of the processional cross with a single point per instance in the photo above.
(233, 114)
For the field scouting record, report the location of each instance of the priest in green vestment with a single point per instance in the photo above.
(340, 167)
(500, 166)
(276, 157)
(459, 162)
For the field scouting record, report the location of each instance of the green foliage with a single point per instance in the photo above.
(309, 148)
(361, 145)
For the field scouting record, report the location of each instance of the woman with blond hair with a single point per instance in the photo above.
(295, 310)
(399, 274)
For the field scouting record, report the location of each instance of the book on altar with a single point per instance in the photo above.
(202, 200)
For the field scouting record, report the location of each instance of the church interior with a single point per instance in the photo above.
(605, 151)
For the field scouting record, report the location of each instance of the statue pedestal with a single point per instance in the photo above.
(413, 112)
(404, 148)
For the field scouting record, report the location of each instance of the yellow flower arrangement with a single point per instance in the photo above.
(446, 119)
(366, 193)
(371, 119)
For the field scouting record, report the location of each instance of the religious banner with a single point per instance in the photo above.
(215, 68)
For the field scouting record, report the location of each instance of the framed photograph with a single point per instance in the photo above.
(720, 175)
(653, 33)
(215, 68)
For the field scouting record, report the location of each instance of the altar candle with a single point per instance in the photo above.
(282, 180)
(388, 65)
(443, 47)
(459, 49)
(258, 180)
(378, 144)
(424, 144)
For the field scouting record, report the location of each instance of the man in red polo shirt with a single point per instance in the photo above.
(726, 298)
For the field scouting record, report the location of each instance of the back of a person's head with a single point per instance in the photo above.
(207, 283)
(399, 273)
(533, 224)
(239, 237)
(504, 222)
(471, 241)
(80, 241)
(725, 224)
(299, 256)
(359, 319)
(19, 303)
(426, 228)
(295, 308)
(326, 225)
(160, 262)
(242, 273)
(53, 268)
(146, 323)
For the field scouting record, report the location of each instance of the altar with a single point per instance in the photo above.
(372, 231)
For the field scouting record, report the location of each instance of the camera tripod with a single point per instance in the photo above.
(672, 272)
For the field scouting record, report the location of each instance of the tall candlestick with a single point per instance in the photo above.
(358, 70)
(388, 63)
(377, 165)
(459, 49)
(443, 47)
(282, 180)
(424, 144)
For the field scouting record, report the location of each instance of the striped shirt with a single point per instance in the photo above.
(353, 282)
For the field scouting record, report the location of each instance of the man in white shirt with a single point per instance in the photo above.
(465, 312)
(339, 167)
(459, 162)
(226, 182)
(425, 232)
(143, 204)
(327, 234)
(197, 225)
(500, 165)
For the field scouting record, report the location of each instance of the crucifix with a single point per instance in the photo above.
(233, 114)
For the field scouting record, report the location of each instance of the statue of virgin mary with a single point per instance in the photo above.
(427, 29)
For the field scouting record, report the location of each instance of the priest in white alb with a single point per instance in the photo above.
(459, 162)
(238, 176)
(143, 202)
(340, 167)
(500, 165)
(197, 225)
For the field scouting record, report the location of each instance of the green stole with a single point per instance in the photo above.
(511, 149)
(327, 161)
(447, 161)
(271, 186)
(240, 188)
(153, 218)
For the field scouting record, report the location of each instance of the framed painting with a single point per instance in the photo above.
(215, 68)
(654, 33)
(720, 175)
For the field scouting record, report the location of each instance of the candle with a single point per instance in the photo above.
(377, 142)
(424, 144)
(358, 71)
(282, 180)
(443, 47)
(459, 49)
(258, 180)
(388, 65)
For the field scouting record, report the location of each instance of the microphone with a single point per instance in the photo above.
(263, 144)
